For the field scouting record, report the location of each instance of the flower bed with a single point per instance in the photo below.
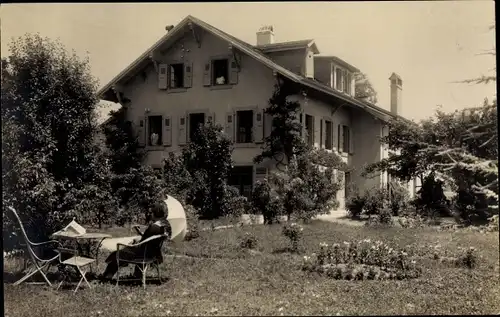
(362, 259)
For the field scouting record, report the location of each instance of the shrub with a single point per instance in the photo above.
(249, 241)
(233, 204)
(355, 203)
(293, 232)
(399, 198)
(375, 200)
(467, 258)
(384, 216)
(193, 223)
(266, 202)
(431, 200)
(177, 180)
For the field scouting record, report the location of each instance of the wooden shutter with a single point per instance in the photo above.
(315, 130)
(141, 131)
(207, 74)
(188, 75)
(340, 139)
(258, 125)
(322, 133)
(210, 117)
(233, 71)
(182, 130)
(167, 131)
(230, 125)
(163, 76)
(351, 141)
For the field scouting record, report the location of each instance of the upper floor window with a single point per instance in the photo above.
(220, 71)
(338, 79)
(176, 79)
(155, 130)
(244, 126)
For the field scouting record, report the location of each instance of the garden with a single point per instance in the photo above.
(59, 164)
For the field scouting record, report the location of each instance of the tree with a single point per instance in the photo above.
(364, 89)
(208, 159)
(48, 132)
(285, 140)
(308, 188)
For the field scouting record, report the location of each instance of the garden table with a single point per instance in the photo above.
(90, 239)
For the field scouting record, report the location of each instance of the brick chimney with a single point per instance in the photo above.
(396, 91)
(265, 35)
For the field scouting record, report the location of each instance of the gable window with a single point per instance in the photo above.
(310, 129)
(196, 120)
(244, 126)
(220, 71)
(329, 134)
(345, 139)
(176, 79)
(345, 86)
(338, 79)
(155, 130)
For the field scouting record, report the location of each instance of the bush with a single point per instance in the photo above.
(293, 232)
(193, 223)
(375, 200)
(233, 204)
(249, 241)
(467, 258)
(430, 200)
(355, 203)
(266, 202)
(177, 180)
(399, 198)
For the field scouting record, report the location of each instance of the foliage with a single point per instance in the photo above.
(233, 204)
(306, 188)
(399, 198)
(293, 232)
(284, 141)
(467, 258)
(364, 88)
(376, 199)
(430, 198)
(355, 203)
(48, 132)
(265, 200)
(193, 223)
(177, 181)
(208, 160)
(249, 241)
(362, 259)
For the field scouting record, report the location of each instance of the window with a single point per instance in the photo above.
(241, 177)
(155, 130)
(338, 79)
(196, 120)
(345, 85)
(176, 76)
(346, 139)
(310, 129)
(220, 71)
(329, 134)
(349, 84)
(244, 126)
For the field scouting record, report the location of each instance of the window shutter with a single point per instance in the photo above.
(210, 117)
(351, 141)
(188, 75)
(340, 138)
(167, 131)
(230, 125)
(182, 130)
(258, 126)
(233, 71)
(163, 76)
(207, 74)
(323, 133)
(141, 131)
(316, 131)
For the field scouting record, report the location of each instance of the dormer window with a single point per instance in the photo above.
(343, 80)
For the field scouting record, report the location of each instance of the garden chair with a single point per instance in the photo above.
(77, 263)
(37, 264)
(140, 254)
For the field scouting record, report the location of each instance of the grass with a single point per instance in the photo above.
(216, 277)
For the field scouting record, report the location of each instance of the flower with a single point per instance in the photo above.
(323, 245)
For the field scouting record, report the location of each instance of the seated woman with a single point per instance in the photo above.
(158, 226)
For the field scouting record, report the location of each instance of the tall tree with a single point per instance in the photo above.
(49, 117)
(364, 88)
(285, 140)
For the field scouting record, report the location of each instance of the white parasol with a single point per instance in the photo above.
(176, 218)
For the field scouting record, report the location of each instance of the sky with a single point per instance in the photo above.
(429, 44)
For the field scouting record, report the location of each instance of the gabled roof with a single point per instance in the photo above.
(291, 45)
(251, 51)
(340, 62)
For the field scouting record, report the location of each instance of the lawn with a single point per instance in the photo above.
(212, 275)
